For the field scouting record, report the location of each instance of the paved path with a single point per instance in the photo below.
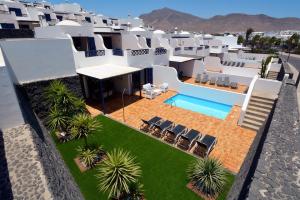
(294, 60)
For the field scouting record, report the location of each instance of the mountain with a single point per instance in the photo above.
(167, 19)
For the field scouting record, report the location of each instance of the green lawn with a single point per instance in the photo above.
(163, 167)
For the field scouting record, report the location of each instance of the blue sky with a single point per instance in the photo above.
(201, 8)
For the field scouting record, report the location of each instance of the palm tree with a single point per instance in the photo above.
(57, 120)
(248, 33)
(208, 175)
(59, 96)
(240, 39)
(292, 43)
(83, 125)
(117, 173)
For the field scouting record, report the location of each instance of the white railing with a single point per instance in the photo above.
(247, 99)
(269, 67)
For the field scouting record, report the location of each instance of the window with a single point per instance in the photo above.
(59, 17)
(88, 19)
(7, 26)
(48, 17)
(17, 11)
(104, 21)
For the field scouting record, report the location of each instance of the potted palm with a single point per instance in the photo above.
(207, 177)
(117, 173)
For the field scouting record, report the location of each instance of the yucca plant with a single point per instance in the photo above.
(87, 156)
(83, 125)
(57, 120)
(207, 175)
(117, 173)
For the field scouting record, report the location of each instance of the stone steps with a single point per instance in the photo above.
(257, 112)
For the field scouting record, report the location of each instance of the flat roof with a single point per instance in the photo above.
(180, 58)
(191, 56)
(106, 71)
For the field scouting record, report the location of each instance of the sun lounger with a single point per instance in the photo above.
(233, 64)
(234, 85)
(160, 128)
(204, 79)
(198, 78)
(205, 145)
(229, 63)
(242, 65)
(148, 124)
(220, 81)
(212, 81)
(238, 64)
(173, 133)
(188, 140)
(226, 81)
(225, 63)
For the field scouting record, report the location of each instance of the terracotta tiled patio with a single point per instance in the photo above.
(240, 89)
(233, 140)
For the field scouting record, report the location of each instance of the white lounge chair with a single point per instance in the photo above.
(151, 91)
(149, 94)
(164, 87)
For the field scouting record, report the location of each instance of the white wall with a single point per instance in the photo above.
(267, 87)
(130, 41)
(61, 31)
(38, 59)
(243, 80)
(240, 71)
(213, 64)
(10, 111)
(163, 74)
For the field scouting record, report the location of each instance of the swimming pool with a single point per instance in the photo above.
(202, 106)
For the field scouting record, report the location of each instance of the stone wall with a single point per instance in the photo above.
(271, 168)
(36, 90)
(247, 169)
(61, 183)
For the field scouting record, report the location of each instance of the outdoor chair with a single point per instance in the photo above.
(164, 87)
(160, 128)
(242, 65)
(173, 133)
(198, 78)
(225, 63)
(234, 85)
(148, 124)
(238, 64)
(205, 145)
(220, 81)
(204, 79)
(233, 64)
(212, 81)
(226, 81)
(188, 140)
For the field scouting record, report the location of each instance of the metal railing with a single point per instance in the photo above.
(139, 52)
(160, 51)
(93, 53)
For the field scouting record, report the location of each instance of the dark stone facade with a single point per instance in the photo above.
(61, 182)
(36, 90)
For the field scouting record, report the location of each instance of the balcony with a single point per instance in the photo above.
(94, 53)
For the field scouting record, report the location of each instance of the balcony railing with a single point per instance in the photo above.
(188, 48)
(160, 51)
(94, 53)
(139, 52)
(118, 52)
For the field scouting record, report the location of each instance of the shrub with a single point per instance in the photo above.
(207, 175)
(87, 156)
(117, 173)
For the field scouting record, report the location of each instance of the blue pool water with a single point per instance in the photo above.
(202, 106)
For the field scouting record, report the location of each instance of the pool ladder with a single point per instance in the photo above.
(172, 101)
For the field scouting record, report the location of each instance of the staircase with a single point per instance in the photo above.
(272, 75)
(257, 111)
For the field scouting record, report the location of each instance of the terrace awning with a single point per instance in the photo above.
(106, 71)
(180, 59)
